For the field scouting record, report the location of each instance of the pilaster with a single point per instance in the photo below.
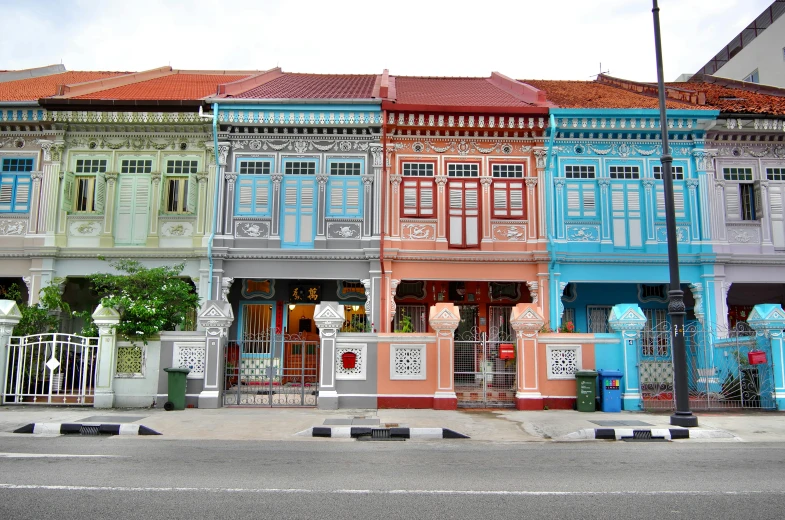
(527, 320)
(768, 322)
(628, 321)
(155, 209)
(107, 235)
(9, 318)
(444, 319)
(328, 317)
(215, 318)
(106, 319)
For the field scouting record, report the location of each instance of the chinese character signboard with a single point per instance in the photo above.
(305, 294)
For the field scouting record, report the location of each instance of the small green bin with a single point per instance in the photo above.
(586, 390)
(177, 380)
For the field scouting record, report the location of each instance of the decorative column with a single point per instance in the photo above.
(486, 204)
(215, 318)
(328, 317)
(628, 320)
(107, 234)
(394, 211)
(704, 166)
(155, 209)
(376, 176)
(532, 208)
(368, 209)
(695, 231)
(275, 226)
(768, 322)
(720, 230)
(106, 319)
(50, 188)
(765, 213)
(223, 196)
(558, 209)
(320, 240)
(35, 202)
(393, 290)
(9, 317)
(229, 185)
(442, 209)
(650, 208)
(201, 207)
(605, 210)
(444, 319)
(541, 159)
(526, 320)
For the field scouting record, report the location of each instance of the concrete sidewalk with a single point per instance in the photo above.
(489, 425)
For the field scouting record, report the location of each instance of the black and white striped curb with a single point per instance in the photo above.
(357, 432)
(653, 434)
(86, 429)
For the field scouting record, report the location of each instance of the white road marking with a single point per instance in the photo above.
(54, 456)
(382, 491)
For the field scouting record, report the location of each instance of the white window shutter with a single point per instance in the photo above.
(141, 210)
(499, 201)
(245, 196)
(353, 187)
(67, 198)
(6, 192)
(732, 202)
(589, 201)
(99, 192)
(125, 201)
(262, 196)
(426, 198)
(336, 196)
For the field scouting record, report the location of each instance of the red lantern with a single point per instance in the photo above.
(349, 360)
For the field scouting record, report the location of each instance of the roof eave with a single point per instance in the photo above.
(115, 103)
(465, 109)
(292, 101)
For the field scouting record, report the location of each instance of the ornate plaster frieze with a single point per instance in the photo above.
(418, 231)
(704, 159)
(13, 226)
(509, 233)
(304, 144)
(466, 121)
(109, 117)
(758, 151)
(623, 123)
(137, 142)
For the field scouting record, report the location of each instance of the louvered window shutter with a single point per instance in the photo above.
(67, 198)
(141, 209)
(410, 189)
(573, 200)
(500, 199)
(589, 201)
(353, 193)
(192, 195)
(426, 198)
(6, 192)
(245, 189)
(262, 196)
(336, 196)
(732, 202)
(22, 198)
(516, 199)
(125, 201)
(99, 192)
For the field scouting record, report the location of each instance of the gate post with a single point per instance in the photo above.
(215, 318)
(444, 319)
(628, 320)
(526, 320)
(105, 319)
(329, 317)
(9, 317)
(769, 320)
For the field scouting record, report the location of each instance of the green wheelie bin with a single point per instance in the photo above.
(586, 391)
(177, 380)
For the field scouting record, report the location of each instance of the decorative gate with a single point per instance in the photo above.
(721, 372)
(50, 369)
(484, 369)
(268, 369)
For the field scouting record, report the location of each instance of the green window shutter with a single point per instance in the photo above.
(192, 198)
(99, 192)
(67, 199)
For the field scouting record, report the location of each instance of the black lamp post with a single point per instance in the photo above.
(683, 416)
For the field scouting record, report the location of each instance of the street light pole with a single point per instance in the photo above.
(683, 416)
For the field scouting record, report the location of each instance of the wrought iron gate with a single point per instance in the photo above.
(719, 369)
(268, 369)
(482, 377)
(50, 369)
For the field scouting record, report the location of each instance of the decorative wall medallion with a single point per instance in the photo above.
(507, 149)
(85, 228)
(744, 235)
(252, 229)
(407, 362)
(682, 234)
(177, 229)
(418, 147)
(343, 230)
(418, 231)
(12, 227)
(563, 362)
(578, 233)
(504, 233)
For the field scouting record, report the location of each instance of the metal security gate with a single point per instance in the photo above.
(483, 378)
(721, 373)
(50, 369)
(268, 369)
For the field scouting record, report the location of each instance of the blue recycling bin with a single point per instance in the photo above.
(610, 390)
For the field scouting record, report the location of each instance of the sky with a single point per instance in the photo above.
(523, 39)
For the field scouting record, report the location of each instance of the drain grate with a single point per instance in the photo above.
(380, 433)
(644, 436)
(89, 430)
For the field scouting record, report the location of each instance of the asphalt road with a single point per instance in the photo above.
(136, 477)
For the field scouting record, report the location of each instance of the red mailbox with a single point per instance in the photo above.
(756, 357)
(506, 351)
(349, 360)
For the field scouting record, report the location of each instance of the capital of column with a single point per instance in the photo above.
(444, 317)
(526, 320)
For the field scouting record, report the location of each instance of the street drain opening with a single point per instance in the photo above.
(643, 436)
(89, 430)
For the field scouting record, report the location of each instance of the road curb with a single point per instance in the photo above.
(643, 434)
(356, 432)
(86, 429)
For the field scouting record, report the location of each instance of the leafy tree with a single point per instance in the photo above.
(149, 300)
(38, 318)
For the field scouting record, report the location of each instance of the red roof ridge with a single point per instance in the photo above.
(735, 83)
(381, 88)
(648, 89)
(517, 89)
(88, 87)
(245, 84)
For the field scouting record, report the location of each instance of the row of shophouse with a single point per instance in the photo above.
(380, 240)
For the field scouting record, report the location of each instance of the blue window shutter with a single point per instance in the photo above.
(22, 195)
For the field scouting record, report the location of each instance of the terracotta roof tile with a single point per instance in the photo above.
(181, 86)
(32, 89)
(737, 100)
(314, 86)
(479, 92)
(590, 94)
